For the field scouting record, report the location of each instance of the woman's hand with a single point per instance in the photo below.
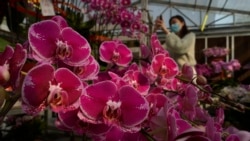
(160, 24)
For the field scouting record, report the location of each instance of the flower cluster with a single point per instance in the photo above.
(215, 52)
(149, 100)
(118, 13)
(217, 67)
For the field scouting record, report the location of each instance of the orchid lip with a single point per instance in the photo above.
(112, 109)
(116, 56)
(63, 50)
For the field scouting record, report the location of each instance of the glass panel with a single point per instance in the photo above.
(242, 18)
(155, 10)
(192, 17)
(218, 3)
(238, 4)
(222, 20)
(202, 2)
(184, 1)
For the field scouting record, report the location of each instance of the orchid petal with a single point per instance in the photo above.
(125, 55)
(70, 83)
(62, 23)
(88, 71)
(69, 118)
(106, 51)
(35, 86)
(132, 104)
(43, 37)
(33, 110)
(80, 48)
(16, 64)
(164, 66)
(6, 54)
(233, 137)
(93, 102)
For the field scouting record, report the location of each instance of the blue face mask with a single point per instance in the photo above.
(175, 28)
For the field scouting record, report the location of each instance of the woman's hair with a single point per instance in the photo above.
(184, 29)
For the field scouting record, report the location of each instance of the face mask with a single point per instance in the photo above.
(175, 28)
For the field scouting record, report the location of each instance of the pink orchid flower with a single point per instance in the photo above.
(89, 70)
(237, 135)
(189, 101)
(164, 66)
(104, 103)
(156, 102)
(125, 2)
(52, 40)
(156, 46)
(212, 131)
(168, 124)
(145, 51)
(42, 86)
(187, 72)
(4, 64)
(11, 63)
(148, 72)
(119, 81)
(137, 80)
(115, 52)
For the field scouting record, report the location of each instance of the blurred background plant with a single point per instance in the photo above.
(217, 70)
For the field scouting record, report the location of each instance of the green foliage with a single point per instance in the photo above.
(3, 44)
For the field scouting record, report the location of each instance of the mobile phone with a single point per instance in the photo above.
(160, 17)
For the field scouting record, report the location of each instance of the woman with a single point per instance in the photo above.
(180, 42)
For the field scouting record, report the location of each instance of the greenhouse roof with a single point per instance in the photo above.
(220, 14)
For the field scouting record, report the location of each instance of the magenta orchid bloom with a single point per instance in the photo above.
(60, 89)
(168, 124)
(11, 63)
(187, 72)
(125, 2)
(156, 102)
(52, 40)
(156, 46)
(4, 64)
(119, 82)
(145, 51)
(104, 103)
(115, 52)
(189, 101)
(212, 131)
(164, 66)
(237, 135)
(137, 80)
(89, 70)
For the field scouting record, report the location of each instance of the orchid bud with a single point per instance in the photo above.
(187, 72)
(201, 80)
(4, 73)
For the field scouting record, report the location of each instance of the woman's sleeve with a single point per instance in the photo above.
(180, 45)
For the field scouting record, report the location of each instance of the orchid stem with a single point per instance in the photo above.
(148, 135)
(8, 105)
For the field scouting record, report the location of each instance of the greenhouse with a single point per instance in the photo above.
(127, 70)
